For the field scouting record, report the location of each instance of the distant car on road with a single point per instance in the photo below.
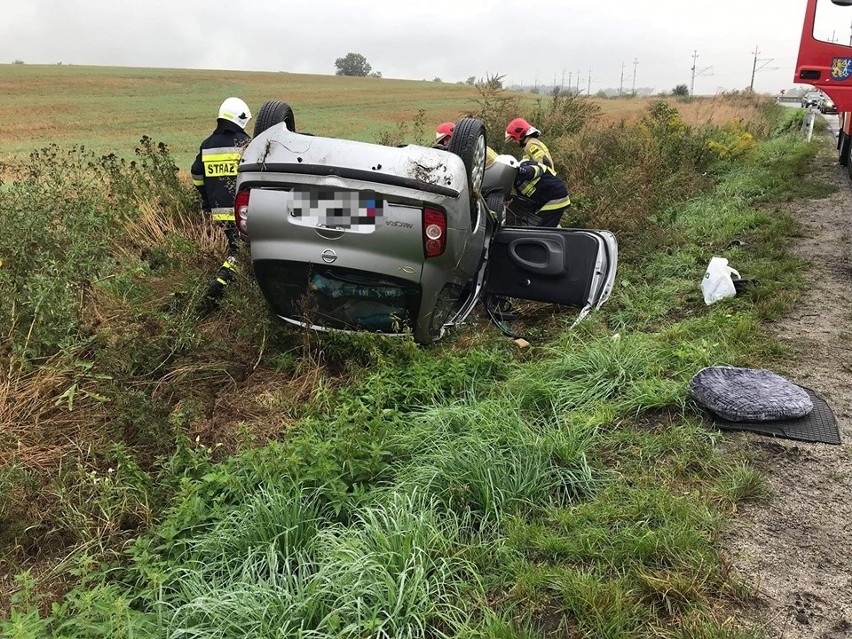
(826, 105)
(811, 99)
(348, 235)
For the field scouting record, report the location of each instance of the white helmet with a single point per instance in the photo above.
(236, 111)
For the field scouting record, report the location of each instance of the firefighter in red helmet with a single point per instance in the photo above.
(443, 133)
(537, 179)
(529, 139)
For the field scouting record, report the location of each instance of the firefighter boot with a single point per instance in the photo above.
(223, 277)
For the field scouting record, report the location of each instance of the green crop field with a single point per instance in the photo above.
(108, 109)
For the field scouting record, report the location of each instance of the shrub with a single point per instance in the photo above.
(63, 216)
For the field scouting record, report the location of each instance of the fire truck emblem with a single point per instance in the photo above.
(841, 68)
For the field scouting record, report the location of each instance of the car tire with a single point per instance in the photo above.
(470, 144)
(844, 142)
(496, 203)
(274, 112)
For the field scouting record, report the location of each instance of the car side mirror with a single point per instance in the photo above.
(842, 3)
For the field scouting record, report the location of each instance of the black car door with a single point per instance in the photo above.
(574, 267)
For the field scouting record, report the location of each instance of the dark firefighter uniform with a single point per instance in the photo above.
(540, 184)
(214, 174)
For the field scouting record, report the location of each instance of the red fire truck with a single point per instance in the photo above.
(827, 64)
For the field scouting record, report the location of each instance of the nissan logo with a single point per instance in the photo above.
(328, 256)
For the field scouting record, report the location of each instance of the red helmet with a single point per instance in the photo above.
(444, 131)
(518, 129)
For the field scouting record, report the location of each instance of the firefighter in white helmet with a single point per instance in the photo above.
(214, 174)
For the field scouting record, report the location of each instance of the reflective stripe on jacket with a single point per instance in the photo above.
(214, 172)
(537, 151)
(490, 156)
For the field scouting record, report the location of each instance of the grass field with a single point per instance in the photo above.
(109, 109)
(169, 473)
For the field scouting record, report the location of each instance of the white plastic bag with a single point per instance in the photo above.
(717, 283)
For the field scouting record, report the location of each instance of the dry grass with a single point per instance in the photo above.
(717, 110)
(37, 427)
(152, 228)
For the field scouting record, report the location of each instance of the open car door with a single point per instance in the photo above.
(574, 267)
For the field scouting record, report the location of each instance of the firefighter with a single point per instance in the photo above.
(547, 192)
(214, 174)
(529, 139)
(443, 134)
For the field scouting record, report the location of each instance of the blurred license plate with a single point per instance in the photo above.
(354, 211)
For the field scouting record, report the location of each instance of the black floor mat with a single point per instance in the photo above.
(818, 426)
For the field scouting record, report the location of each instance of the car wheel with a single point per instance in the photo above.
(496, 203)
(274, 112)
(468, 142)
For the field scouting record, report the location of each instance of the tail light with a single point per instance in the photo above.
(241, 203)
(434, 232)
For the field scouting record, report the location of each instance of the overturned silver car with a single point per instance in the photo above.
(355, 236)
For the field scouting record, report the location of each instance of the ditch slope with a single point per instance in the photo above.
(796, 550)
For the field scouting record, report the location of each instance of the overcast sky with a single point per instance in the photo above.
(451, 39)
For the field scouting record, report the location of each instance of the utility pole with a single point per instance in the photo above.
(850, 35)
(562, 86)
(621, 84)
(578, 81)
(696, 72)
(589, 85)
(692, 81)
(569, 81)
(635, 64)
(755, 68)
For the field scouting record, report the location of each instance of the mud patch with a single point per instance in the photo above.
(430, 172)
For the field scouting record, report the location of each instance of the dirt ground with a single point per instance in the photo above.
(796, 551)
